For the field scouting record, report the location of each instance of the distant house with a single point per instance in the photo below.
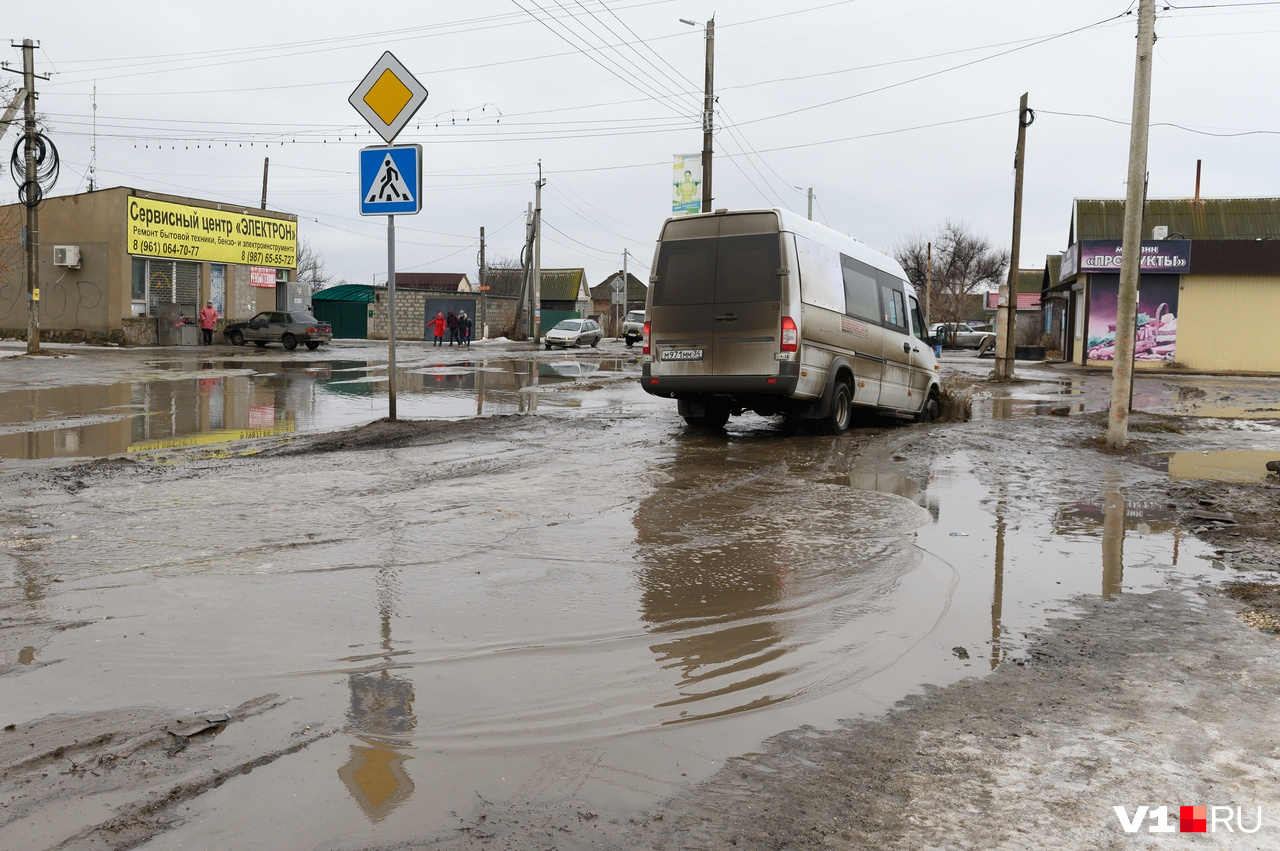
(445, 282)
(563, 294)
(602, 299)
(1208, 289)
(1028, 321)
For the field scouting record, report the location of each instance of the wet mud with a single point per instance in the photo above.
(578, 624)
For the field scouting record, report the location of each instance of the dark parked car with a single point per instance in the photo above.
(574, 332)
(278, 326)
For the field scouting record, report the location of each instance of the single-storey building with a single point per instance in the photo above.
(602, 304)
(563, 294)
(124, 265)
(1027, 322)
(1208, 289)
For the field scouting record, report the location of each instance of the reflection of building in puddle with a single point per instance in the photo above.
(1223, 466)
(752, 596)
(709, 588)
(381, 716)
(1114, 515)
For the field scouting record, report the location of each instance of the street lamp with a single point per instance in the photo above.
(708, 114)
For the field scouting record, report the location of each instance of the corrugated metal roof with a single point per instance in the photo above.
(1029, 280)
(1052, 266)
(1026, 301)
(346, 292)
(560, 284)
(1210, 218)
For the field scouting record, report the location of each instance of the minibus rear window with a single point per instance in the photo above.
(729, 269)
(686, 272)
(748, 269)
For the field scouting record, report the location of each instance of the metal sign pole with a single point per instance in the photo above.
(391, 310)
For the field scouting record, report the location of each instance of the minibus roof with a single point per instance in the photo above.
(799, 225)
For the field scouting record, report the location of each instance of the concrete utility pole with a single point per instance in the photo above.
(31, 189)
(1007, 308)
(536, 312)
(1131, 246)
(484, 292)
(708, 110)
(626, 290)
(810, 203)
(708, 116)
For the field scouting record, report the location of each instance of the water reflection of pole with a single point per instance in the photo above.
(381, 716)
(997, 592)
(1113, 511)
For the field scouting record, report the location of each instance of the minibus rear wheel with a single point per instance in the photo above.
(840, 416)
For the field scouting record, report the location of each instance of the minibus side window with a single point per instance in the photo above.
(893, 302)
(917, 320)
(860, 290)
(686, 272)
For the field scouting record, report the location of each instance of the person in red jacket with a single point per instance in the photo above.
(437, 327)
(208, 321)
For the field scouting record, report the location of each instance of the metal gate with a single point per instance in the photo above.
(350, 319)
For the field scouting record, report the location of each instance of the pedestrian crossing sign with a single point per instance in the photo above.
(391, 180)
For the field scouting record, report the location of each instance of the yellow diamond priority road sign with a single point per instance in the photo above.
(388, 97)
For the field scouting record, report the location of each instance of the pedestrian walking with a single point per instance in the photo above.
(464, 328)
(208, 321)
(452, 322)
(437, 328)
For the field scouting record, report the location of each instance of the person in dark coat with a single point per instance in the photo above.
(437, 328)
(452, 322)
(464, 328)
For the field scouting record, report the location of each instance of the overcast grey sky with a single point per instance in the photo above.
(899, 113)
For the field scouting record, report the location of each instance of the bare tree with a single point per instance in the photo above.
(311, 267)
(965, 265)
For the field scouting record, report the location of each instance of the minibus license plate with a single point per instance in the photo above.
(682, 354)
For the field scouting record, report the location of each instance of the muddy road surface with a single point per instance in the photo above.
(239, 610)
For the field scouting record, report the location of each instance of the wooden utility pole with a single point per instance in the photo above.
(1131, 246)
(1007, 308)
(266, 166)
(928, 279)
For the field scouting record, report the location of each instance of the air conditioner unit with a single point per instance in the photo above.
(66, 255)
(1160, 232)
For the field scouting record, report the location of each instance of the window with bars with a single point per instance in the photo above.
(172, 282)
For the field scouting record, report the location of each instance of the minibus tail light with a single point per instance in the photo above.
(790, 335)
(645, 350)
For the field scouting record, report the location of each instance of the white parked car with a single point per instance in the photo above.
(574, 332)
(961, 336)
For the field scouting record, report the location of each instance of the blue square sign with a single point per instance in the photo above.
(390, 180)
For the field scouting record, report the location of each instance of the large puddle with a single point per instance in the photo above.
(472, 636)
(218, 401)
(1040, 394)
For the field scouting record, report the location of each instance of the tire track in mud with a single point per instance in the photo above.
(137, 762)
